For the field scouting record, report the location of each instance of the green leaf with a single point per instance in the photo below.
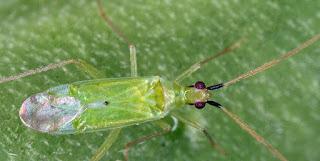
(282, 103)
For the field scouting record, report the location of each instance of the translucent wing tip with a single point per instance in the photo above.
(48, 113)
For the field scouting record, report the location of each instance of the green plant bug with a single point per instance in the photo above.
(114, 103)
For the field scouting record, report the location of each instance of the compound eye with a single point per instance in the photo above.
(199, 105)
(199, 85)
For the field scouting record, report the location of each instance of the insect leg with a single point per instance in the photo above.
(166, 128)
(112, 137)
(133, 61)
(115, 29)
(82, 65)
(199, 64)
(109, 22)
(203, 130)
(89, 69)
(134, 73)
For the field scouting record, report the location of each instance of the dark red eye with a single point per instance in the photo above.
(199, 85)
(199, 105)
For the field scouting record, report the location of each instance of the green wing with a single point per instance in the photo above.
(111, 103)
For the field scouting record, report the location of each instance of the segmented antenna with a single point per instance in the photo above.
(253, 72)
(254, 134)
(274, 61)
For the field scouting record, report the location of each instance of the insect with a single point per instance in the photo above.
(101, 104)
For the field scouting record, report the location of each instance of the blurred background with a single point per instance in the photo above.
(282, 104)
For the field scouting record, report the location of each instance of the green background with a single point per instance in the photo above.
(282, 104)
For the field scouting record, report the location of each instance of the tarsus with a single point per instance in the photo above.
(111, 24)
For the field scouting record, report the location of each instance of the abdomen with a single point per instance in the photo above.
(95, 105)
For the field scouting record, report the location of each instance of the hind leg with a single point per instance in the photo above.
(114, 134)
(166, 128)
(120, 34)
(102, 150)
(112, 137)
(82, 65)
